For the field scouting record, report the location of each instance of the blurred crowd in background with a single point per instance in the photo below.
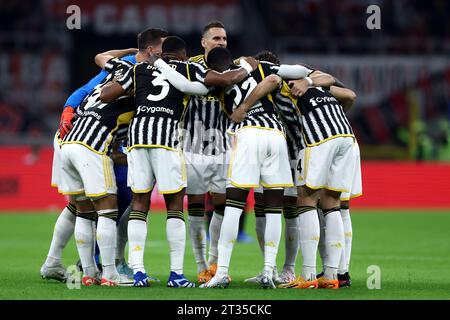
(401, 73)
(408, 26)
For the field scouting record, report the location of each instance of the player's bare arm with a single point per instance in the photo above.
(269, 84)
(111, 92)
(321, 79)
(302, 78)
(345, 96)
(102, 58)
(230, 77)
(315, 79)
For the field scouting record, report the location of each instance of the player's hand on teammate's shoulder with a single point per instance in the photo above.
(238, 115)
(252, 62)
(237, 61)
(298, 87)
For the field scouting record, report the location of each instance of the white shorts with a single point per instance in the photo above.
(149, 165)
(85, 172)
(259, 157)
(56, 164)
(329, 165)
(356, 187)
(206, 173)
(288, 192)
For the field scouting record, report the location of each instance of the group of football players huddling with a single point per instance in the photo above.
(208, 124)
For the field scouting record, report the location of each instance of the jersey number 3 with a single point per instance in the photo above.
(159, 81)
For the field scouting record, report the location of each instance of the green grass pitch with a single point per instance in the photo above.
(412, 250)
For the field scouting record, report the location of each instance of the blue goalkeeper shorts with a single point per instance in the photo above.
(123, 191)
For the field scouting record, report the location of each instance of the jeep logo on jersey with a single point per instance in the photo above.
(154, 109)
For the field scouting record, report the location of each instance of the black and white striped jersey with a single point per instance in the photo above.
(205, 124)
(98, 123)
(323, 117)
(291, 120)
(160, 107)
(263, 113)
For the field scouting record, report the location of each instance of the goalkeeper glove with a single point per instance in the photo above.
(65, 124)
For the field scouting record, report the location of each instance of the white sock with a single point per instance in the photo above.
(94, 245)
(122, 234)
(292, 236)
(348, 232)
(228, 236)
(272, 236)
(64, 228)
(106, 239)
(214, 233)
(322, 247)
(137, 235)
(260, 231)
(334, 243)
(84, 238)
(309, 240)
(176, 236)
(197, 235)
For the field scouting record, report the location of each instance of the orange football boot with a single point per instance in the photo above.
(300, 283)
(212, 269)
(325, 283)
(204, 276)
